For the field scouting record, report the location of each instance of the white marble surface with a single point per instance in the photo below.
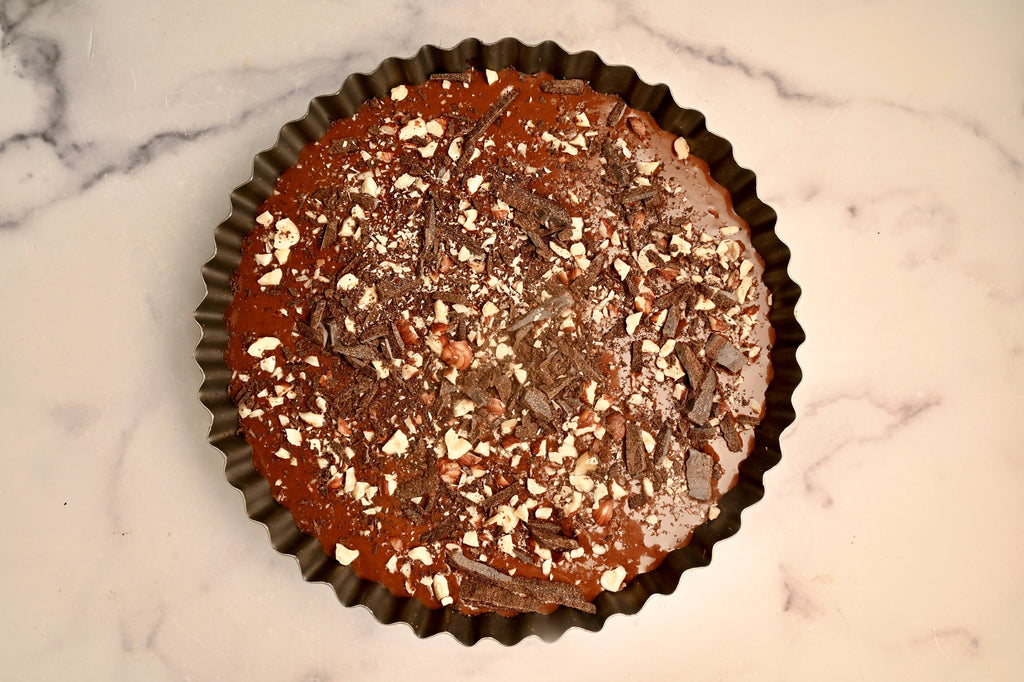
(889, 136)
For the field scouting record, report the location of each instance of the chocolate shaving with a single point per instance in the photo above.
(464, 77)
(411, 511)
(699, 409)
(396, 337)
(503, 496)
(490, 586)
(637, 500)
(485, 121)
(698, 474)
(724, 353)
(503, 385)
(351, 266)
(461, 239)
(615, 115)
(571, 86)
(636, 455)
(732, 437)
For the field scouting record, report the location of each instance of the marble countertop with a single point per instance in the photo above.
(888, 136)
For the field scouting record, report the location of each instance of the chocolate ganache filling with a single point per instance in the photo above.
(499, 342)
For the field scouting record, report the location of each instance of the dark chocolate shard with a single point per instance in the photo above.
(667, 228)
(691, 365)
(637, 500)
(703, 399)
(396, 337)
(636, 357)
(330, 235)
(461, 562)
(583, 283)
(316, 316)
(461, 238)
(541, 246)
(553, 592)
(464, 77)
(316, 335)
(620, 169)
(683, 293)
(550, 308)
(503, 496)
(699, 467)
(724, 353)
(377, 331)
(452, 297)
(722, 299)
(635, 194)
(551, 538)
(579, 363)
(662, 445)
(571, 86)
(539, 208)
(483, 594)
(730, 433)
(367, 201)
(344, 145)
(535, 401)
(615, 115)
(359, 352)
(429, 248)
(503, 385)
(442, 530)
(636, 455)
(492, 114)
(670, 328)
(387, 290)
(702, 434)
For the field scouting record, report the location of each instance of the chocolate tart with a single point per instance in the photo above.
(490, 608)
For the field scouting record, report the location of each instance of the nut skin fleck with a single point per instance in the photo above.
(457, 354)
(615, 423)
